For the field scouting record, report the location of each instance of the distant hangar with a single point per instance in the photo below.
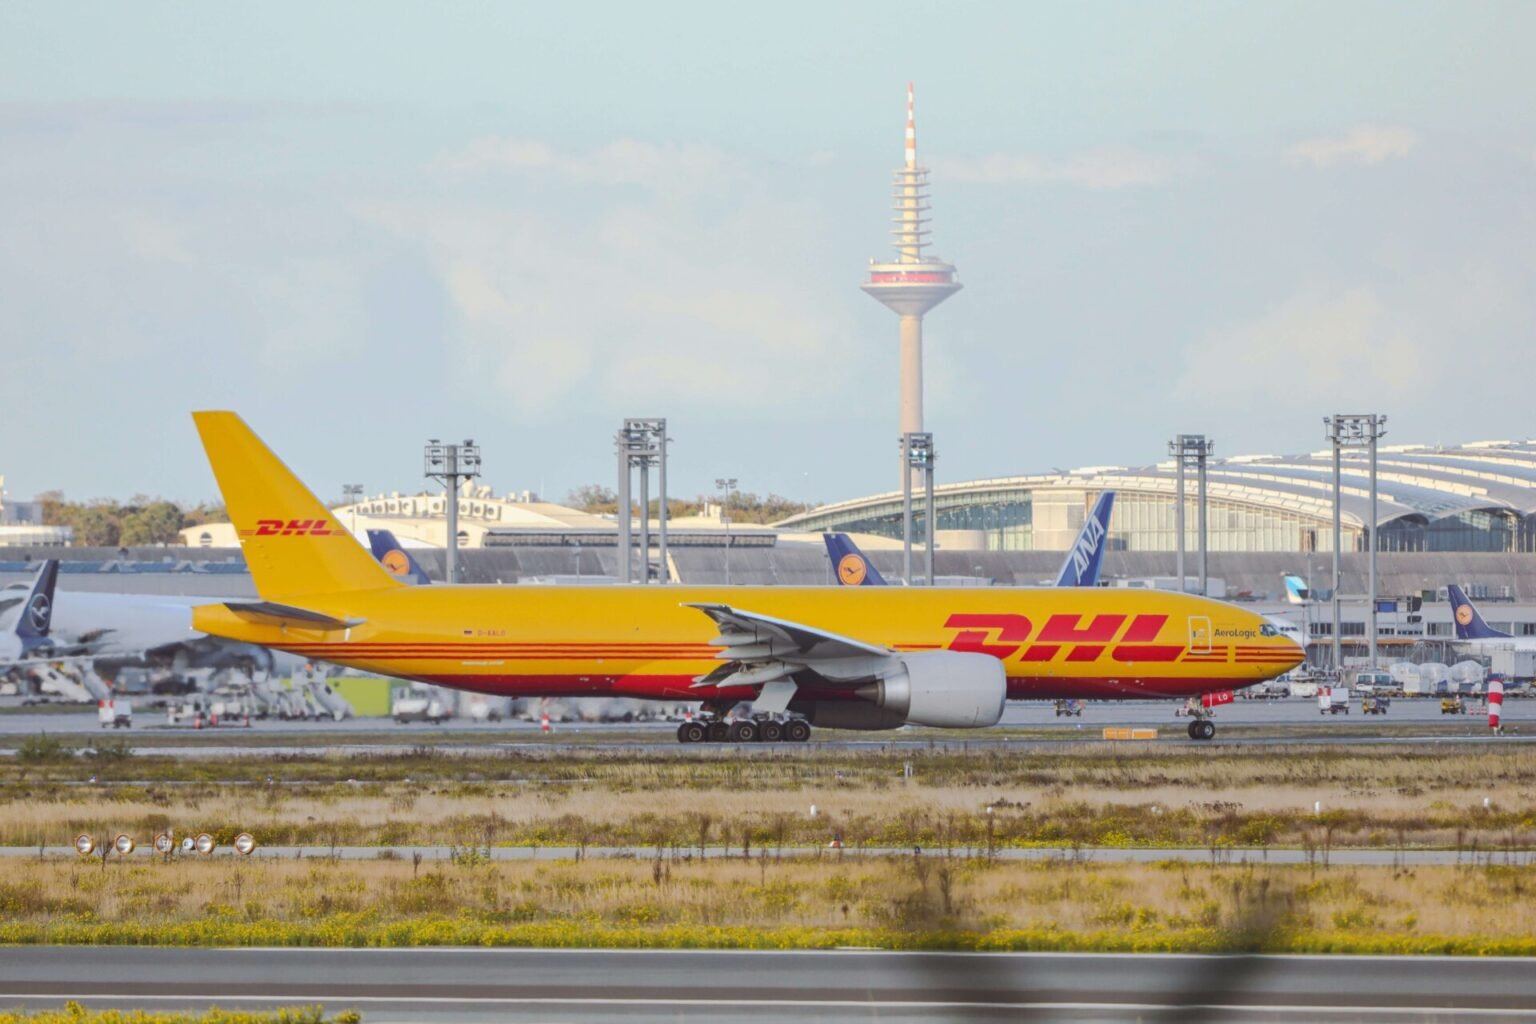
(1479, 496)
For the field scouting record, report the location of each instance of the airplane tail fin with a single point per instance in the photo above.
(1296, 590)
(293, 544)
(1469, 623)
(853, 567)
(395, 559)
(1081, 568)
(35, 616)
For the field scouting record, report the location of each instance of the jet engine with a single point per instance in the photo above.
(948, 689)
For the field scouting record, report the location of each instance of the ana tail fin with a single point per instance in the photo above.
(1469, 623)
(291, 542)
(852, 566)
(395, 559)
(1081, 568)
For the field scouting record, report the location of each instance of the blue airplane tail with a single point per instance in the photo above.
(1296, 590)
(1081, 569)
(853, 567)
(35, 616)
(1469, 624)
(395, 559)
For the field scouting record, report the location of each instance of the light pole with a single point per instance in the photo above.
(350, 493)
(1358, 430)
(917, 455)
(642, 443)
(1191, 451)
(450, 465)
(726, 486)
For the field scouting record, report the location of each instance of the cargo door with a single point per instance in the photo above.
(1199, 634)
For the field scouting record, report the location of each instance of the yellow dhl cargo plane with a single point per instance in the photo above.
(842, 657)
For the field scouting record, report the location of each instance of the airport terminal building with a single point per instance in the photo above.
(1477, 497)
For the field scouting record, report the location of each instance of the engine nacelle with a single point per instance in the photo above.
(949, 689)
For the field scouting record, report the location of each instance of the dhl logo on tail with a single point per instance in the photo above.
(293, 528)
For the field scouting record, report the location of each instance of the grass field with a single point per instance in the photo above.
(1481, 798)
(762, 902)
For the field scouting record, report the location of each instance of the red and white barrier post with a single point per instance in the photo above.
(1495, 704)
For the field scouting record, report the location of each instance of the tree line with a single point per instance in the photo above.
(745, 507)
(140, 521)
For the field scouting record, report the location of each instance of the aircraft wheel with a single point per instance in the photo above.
(1192, 730)
(742, 732)
(718, 731)
(771, 732)
(1207, 729)
(797, 730)
(691, 732)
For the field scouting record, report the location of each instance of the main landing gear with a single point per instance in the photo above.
(757, 729)
(1202, 729)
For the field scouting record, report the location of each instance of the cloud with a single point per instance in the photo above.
(1344, 346)
(604, 294)
(1109, 168)
(1368, 144)
(669, 167)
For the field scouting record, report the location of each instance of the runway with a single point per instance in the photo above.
(465, 985)
(1246, 722)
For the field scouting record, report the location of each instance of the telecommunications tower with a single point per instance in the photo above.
(913, 283)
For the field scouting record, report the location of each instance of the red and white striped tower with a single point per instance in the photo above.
(1495, 703)
(914, 282)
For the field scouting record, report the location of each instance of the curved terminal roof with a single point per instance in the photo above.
(1413, 482)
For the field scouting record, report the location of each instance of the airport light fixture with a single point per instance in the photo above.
(640, 444)
(351, 494)
(1354, 430)
(726, 485)
(917, 457)
(1191, 451)
(450, 465)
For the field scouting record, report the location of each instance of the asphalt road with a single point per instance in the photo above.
(463, 985)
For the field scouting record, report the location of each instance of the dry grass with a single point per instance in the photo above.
(1105, 796)
(683, 901)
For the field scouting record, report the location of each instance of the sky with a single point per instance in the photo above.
(363, 225)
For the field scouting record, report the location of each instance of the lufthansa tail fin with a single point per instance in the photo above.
(852, 566)
(1081, 569)
(34, 617)
(395, 559)
(293, 544)
(1470, 624)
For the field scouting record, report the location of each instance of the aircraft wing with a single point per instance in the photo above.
(760, 649)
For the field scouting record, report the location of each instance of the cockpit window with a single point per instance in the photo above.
(1268, 630)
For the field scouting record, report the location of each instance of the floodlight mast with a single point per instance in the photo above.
(450, 464)
(917, 456)
(1191, 451)
(640, 444)
(1354, 430)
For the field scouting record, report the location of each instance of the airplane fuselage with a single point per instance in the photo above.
(644, 642)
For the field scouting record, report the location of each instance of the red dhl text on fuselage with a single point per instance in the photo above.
(645, 641)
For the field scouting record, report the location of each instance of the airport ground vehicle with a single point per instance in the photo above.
(1333, 700)
(419, 709)
(866, 658)
(1372, 704)
(1452, 706)
(116, 713)
(1069, 708)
